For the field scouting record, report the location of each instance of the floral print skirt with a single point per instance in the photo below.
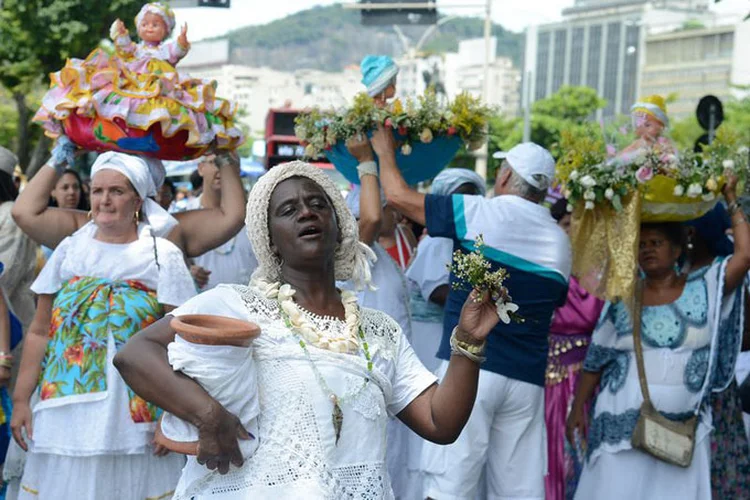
(730, 453)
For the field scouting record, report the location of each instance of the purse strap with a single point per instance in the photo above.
(637, 310)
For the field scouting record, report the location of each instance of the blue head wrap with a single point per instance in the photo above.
(451, 179)
(377, 73)
(712, 228)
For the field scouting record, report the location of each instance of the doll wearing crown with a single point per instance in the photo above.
(138, 87)
(649, 122)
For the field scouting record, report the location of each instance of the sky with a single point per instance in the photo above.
(210, 22)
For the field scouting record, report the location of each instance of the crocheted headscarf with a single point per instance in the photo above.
(451, 179)
(352, 258)
(161, 10)
(377, 73)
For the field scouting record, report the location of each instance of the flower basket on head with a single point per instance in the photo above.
(611, 196)
(428, 134)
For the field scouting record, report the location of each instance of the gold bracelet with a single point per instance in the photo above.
(473, 352)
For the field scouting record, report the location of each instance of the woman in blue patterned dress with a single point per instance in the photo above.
(691, 337)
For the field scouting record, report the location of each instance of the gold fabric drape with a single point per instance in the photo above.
(605, 248)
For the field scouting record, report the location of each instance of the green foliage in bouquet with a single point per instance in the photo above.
(417, 121)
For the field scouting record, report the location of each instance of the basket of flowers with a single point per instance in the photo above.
(611, 194)
(429, 134)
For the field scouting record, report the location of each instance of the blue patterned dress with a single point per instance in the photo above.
(689, 348)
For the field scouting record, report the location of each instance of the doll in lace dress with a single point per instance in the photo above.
(135, 88)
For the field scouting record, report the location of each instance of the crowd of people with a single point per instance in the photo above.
(377, 373)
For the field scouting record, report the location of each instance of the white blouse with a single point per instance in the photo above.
(108, 426)
(297, 455)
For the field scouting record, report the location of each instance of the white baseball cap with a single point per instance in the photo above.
(531, 161)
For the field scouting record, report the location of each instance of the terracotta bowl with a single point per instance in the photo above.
(215, 330)
(185, 448)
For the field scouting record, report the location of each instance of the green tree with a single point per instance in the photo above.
(37, 38)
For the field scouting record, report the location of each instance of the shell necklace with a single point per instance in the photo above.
(306, 332)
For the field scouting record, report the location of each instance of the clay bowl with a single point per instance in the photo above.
(207, 329)
(185, 448)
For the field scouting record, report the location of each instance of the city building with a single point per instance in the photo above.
(688, 64)
(602, 44)
(463, 71)
(256, 90)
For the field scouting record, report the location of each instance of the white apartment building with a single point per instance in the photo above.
(690, 64)
(463, 71)
(256, 90)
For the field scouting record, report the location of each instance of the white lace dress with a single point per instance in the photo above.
(297, 456)
(94, 450)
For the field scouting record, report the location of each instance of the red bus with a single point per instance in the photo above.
(282, 144)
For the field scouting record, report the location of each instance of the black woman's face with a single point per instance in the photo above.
(302, 222)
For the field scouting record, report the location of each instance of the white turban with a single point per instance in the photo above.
(352, 258)
(137, 171)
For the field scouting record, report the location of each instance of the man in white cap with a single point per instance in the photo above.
(506, 431)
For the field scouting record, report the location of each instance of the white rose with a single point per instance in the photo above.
(728, 164)
(589, 195)
(679, 190)
(589, 205)
(426, 135)
(573, 175)
(609, 193)
(588, 182)
(711, 184)
(406, 149)
(694, 190)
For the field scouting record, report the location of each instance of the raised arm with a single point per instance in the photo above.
(370, 208)
(440, 412)
(739, 263)
(120, 36)
(144, 365)
(46, 225)
(202, 230)
(400, 196)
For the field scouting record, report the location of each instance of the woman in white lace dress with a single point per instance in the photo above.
(88, 436)
(329, 373)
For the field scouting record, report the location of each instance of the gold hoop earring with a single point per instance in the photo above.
(137, 217)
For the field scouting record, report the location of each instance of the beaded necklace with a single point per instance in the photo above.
(337, 415)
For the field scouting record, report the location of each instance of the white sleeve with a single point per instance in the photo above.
(50, 280)
(220, 301)
(410, 379)
(175, 285)
(429, 269)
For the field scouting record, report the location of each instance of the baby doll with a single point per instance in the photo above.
(155, 23)
(649, 121)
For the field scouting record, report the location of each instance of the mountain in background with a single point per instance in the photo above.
(331, 38)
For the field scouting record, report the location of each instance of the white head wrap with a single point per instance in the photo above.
(161, 10)
(451, 179)
(137, 171)
(352, 200)
(8, 161)
(352, 258)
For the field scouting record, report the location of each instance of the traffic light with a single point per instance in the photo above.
(390, 12)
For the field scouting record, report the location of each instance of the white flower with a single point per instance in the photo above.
(310, 151)
(573, 175)
(589, 195)
(609, 193)
(694, 190)
(406, 149)
(588, 182)
(711, 184)
(285, 292)
(348, 297)
(569, 208)
(291, 310)
(589, 205)
(504, 309)
(426, 135)
(728, 164)
(567, 193)
(709, 196)
(743, 150)
(679, 190)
